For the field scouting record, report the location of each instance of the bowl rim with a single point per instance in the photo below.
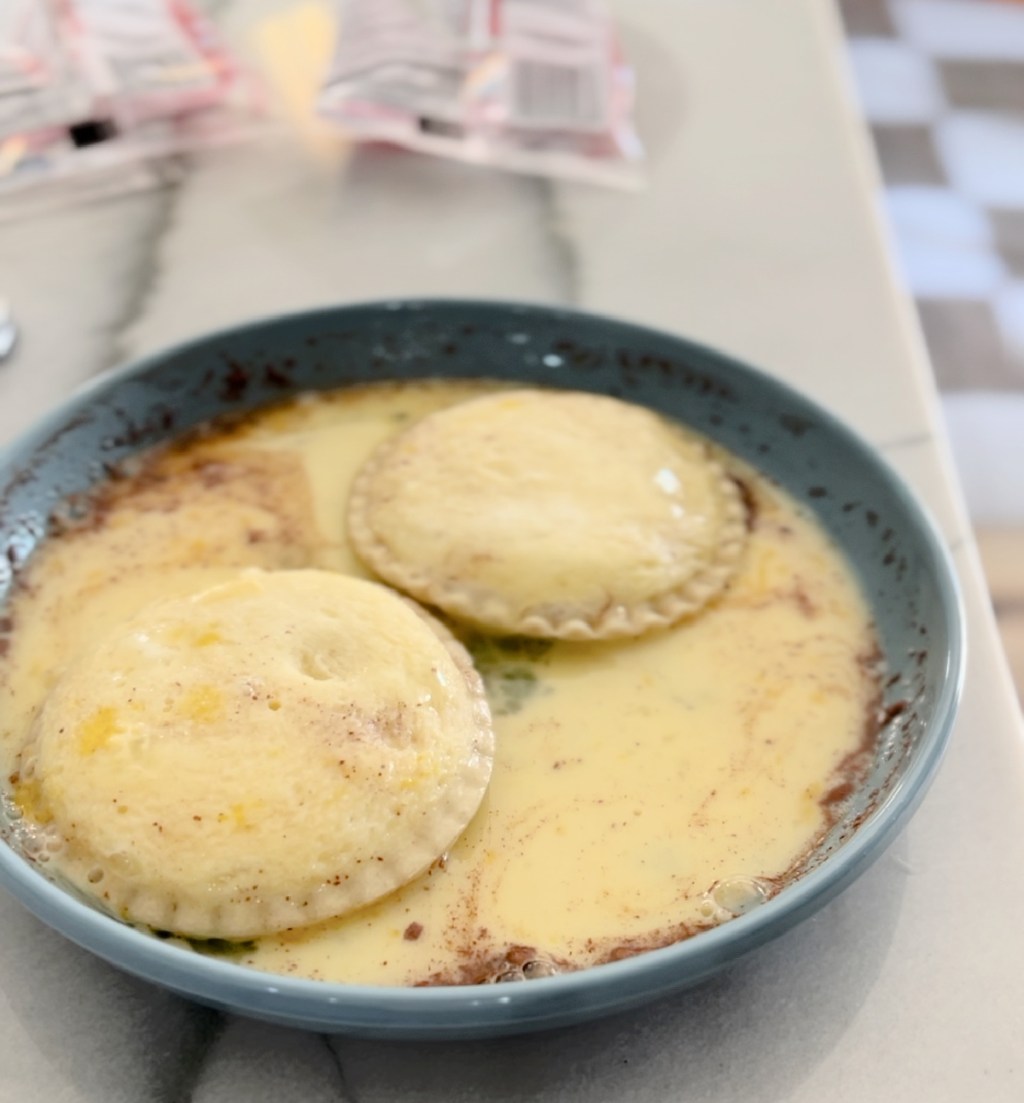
(486, 1010)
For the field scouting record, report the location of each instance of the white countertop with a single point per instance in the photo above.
(757, 234)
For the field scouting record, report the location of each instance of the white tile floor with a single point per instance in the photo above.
(944, 243)
(895, 82)
(962, 28)
(983, 154)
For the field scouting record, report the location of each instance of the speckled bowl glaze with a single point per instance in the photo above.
(903, 567)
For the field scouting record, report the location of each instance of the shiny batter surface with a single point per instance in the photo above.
(642, 789)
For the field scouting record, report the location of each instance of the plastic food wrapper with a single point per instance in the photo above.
(97, 95)
(535, 86)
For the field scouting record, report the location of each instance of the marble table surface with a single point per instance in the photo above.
(757, 233)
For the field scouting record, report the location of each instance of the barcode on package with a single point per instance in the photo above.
(546, 94)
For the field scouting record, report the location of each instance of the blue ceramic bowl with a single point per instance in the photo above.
(903, 568)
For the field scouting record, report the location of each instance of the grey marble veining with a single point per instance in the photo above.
(252, 1060)
(142, 268)
(70, 279)
(379, 223)
(75, 1030)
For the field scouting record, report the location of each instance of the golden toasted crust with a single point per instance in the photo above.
(549, 513)
(270, 752)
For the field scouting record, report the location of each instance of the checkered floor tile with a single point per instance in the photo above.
(941, 83)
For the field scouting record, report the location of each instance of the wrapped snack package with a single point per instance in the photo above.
(95, 94)
(527, 85)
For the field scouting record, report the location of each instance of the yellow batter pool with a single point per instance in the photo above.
(642, 789)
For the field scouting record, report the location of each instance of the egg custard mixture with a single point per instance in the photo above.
(631, 769)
